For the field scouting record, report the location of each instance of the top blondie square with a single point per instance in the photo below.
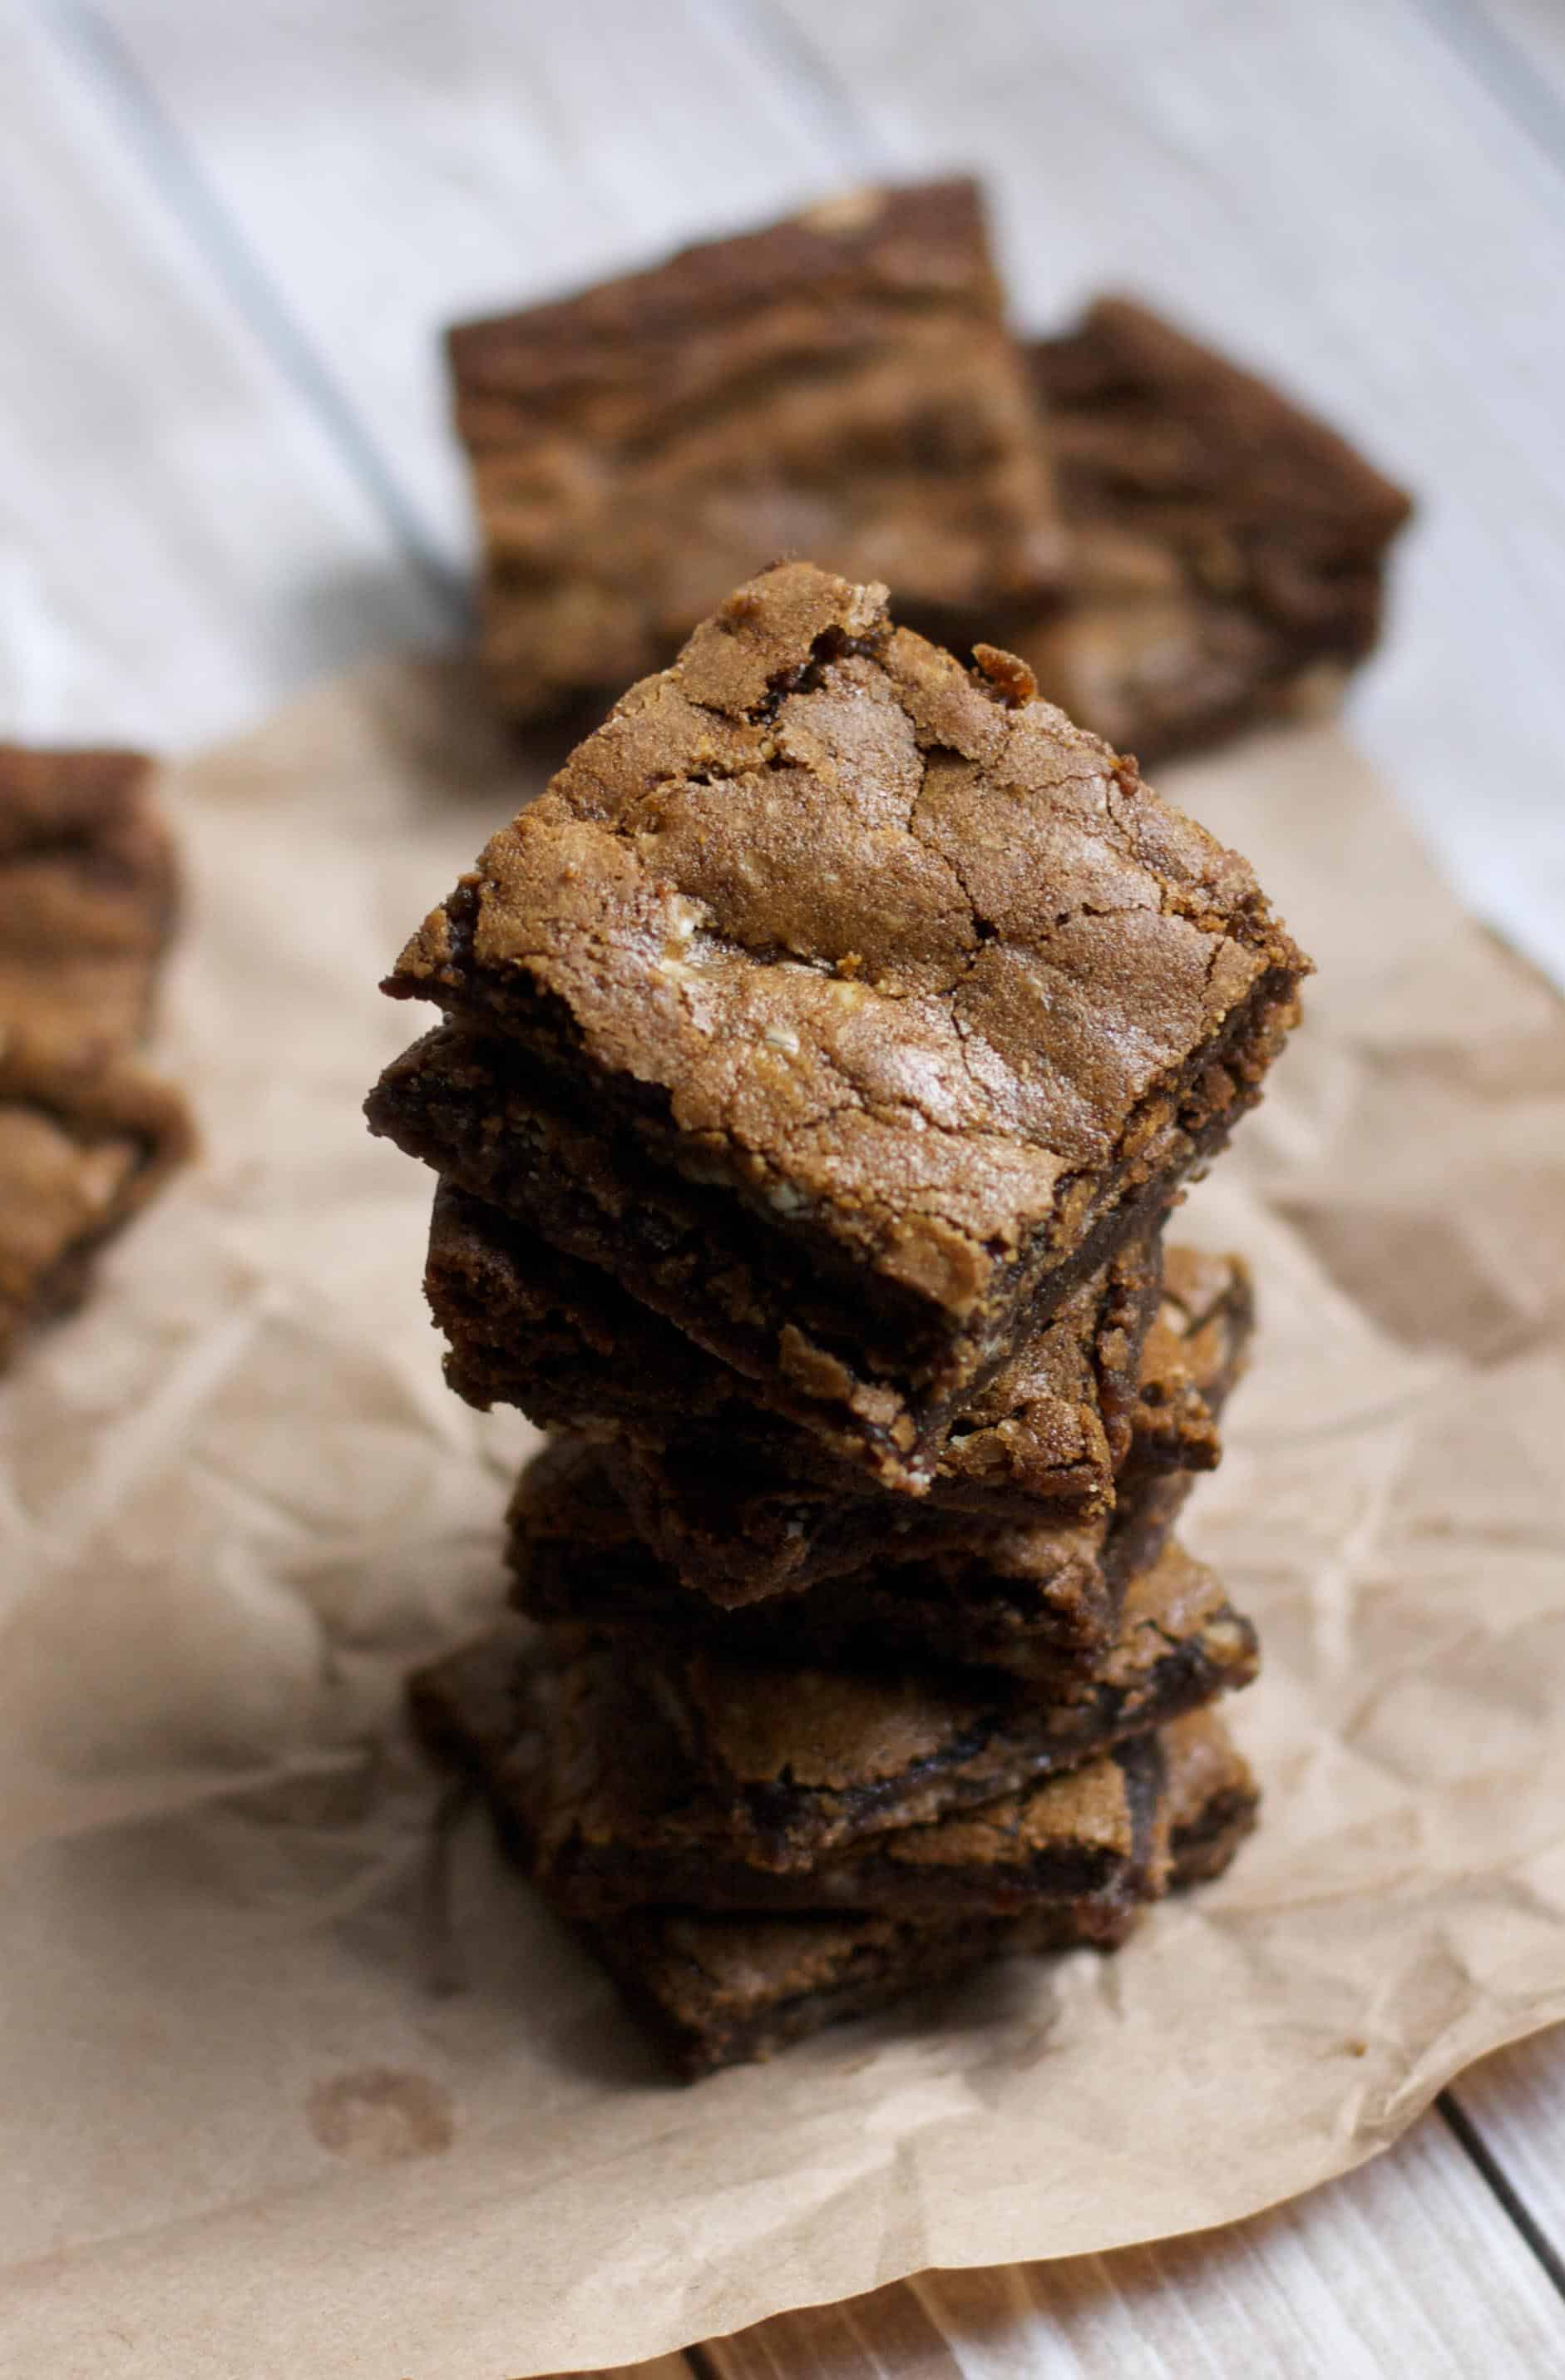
(847, 1004)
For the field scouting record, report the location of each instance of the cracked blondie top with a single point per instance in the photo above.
(848, 1004)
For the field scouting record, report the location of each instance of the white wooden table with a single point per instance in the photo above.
(227, 237)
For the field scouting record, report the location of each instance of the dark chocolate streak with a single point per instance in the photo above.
(789, 1825)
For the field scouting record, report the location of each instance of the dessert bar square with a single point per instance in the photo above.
(82, 1150)
(743, 1503)
(729, 1991)
(87, 897)
(801, 1762)
(738, 1517)
(893, 1577)
(1227, 550)
(848, 1007)
(721, 1989)
(1035, 1601)
(842, 384)
(599, 1785)
(714, 1990)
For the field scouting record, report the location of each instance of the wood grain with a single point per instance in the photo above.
(178, 542)
(439, 163)
(1372, 2274)
(1516, 49)
(1515, 2105)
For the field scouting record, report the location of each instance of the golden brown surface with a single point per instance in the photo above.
(893, 950)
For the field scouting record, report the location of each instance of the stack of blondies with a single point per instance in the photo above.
(820, 1059)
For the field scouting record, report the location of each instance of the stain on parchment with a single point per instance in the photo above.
(379, 2116)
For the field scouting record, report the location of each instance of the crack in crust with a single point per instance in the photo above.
(919, 997)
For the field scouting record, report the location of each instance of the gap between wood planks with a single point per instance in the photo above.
(1488, 51)
(795, 65)
(1471, 2141)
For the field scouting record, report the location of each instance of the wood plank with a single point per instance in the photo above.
(1516, 48)
(1330, 192)
(395, 170)
(179, 543)
(1373, 2275)
(1515, 2103)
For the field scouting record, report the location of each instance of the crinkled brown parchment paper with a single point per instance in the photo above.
(281, 2098)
